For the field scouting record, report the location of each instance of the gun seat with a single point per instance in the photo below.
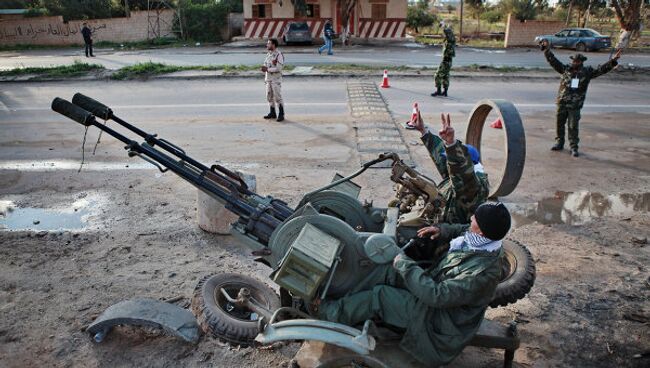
(495, 335)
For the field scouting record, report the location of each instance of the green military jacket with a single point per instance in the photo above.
(462, 189)
(448, 45)
(575, 97)
(452, 298)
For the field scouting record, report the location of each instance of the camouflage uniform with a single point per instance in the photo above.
(448, 52)
(441, 307)
(461, 187)
(570, 100)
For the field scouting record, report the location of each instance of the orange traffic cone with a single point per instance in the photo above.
(411, 124)
(497, 124)
(384, 83)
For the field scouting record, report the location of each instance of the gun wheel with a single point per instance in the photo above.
(219, 318)
(517, 274)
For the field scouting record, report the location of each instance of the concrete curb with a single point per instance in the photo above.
(639, 75)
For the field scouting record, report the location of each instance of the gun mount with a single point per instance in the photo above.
(321, 249)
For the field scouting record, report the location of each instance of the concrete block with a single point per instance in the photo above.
(212, 215)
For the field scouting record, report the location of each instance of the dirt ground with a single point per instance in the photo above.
(585, 220)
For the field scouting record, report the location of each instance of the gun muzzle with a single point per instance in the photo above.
(73, 112)
(95, 107)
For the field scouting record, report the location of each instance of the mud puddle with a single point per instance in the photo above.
(578, 208)
(74, 217)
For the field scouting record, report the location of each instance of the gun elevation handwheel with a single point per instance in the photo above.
(515, 142)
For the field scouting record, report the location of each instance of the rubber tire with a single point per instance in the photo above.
(218, 323)
(357, 360)
(581, 47)
(521, 277)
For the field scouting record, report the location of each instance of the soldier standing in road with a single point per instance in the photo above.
(272, 69)
(571, 95)
(86, 33)
(448, 53)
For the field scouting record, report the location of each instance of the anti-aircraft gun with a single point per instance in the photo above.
(320, 249)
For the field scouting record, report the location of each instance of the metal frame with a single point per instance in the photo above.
(154, 8)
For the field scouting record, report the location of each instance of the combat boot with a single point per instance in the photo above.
(281, 114)
(437, 92)
(444, 92)
(574, 152)
(557, 147)
(271, 114)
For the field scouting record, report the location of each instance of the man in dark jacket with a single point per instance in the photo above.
(86, 33)
(440, 307)
(571, 95)
(328, 38)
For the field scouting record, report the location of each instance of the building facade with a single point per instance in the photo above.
(370, 19)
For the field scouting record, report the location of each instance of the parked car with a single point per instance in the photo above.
(580, 39)
(297, 32)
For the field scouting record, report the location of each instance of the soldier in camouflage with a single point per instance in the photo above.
(571, 95)
(448, 52)
(465, 184)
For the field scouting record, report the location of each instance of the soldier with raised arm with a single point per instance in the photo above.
(572, 92)
(448, 52)
(465, 184)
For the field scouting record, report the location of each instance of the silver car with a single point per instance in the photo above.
(580, 39)
(297, 32)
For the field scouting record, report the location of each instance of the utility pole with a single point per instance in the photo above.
(460, 38)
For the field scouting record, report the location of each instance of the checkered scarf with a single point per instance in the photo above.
(474, 242)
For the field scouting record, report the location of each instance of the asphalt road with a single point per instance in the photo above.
(406, 54)
(224, 110)
(244, 98)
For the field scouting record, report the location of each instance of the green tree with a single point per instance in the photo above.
(78, 9)
(418, 16)
(203, 20)
(476, 8)
(583, 9)
(520, 9)
(19, 4)
(492, 15)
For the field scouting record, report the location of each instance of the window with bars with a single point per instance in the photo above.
(311, 11)
(262, 11)
(378, 11)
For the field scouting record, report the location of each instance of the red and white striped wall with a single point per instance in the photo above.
(367, 28)
(383, 29)
(265, 28)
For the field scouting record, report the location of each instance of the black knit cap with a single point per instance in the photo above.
(493, 218)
